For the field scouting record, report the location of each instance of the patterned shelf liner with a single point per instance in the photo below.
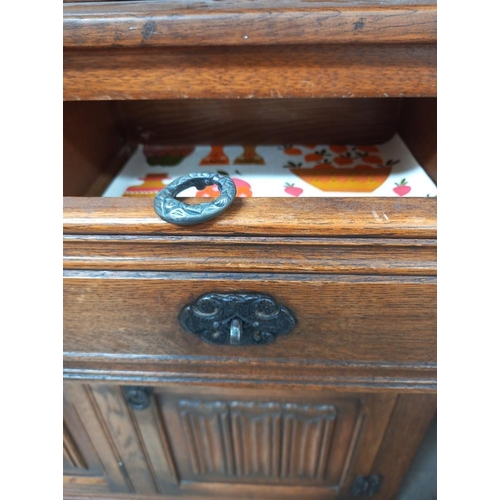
(315, 170)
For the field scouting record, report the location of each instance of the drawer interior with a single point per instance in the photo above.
(100, 136)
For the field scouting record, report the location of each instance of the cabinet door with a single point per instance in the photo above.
(201, 442)
(260, 443)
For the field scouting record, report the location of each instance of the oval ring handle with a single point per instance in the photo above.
(175, 211)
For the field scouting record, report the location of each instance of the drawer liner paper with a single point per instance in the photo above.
(315, 170)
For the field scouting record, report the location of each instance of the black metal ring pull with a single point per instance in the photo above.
(175, 211)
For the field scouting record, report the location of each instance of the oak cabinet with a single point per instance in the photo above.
(337, 407)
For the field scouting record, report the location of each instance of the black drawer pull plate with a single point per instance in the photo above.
(237, 318)
(170, 209)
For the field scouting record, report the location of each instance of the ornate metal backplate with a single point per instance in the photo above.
(175, 211)
(237, 318)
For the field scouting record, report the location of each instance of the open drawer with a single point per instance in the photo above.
(359, 274)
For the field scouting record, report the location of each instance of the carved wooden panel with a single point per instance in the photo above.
(209, 440)
(272, 438)
(252, 439)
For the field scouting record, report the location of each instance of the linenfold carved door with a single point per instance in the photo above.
(201, 440)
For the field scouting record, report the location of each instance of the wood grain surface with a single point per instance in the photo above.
(320, 429)
(120, 425)
(257, 254)
(85, 420)
(418, 128)
(91, 138)
(275, 71)
(241, 22)
(217, 437)
(259, 121)
(366, 432)
(358, 273)
(339, 318)
(196, 429)
(409, 422)
(354, 217)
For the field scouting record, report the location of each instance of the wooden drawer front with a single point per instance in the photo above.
(371, 322)
(209, 441)
(358, 275)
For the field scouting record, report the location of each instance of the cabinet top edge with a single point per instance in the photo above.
(241, 22)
